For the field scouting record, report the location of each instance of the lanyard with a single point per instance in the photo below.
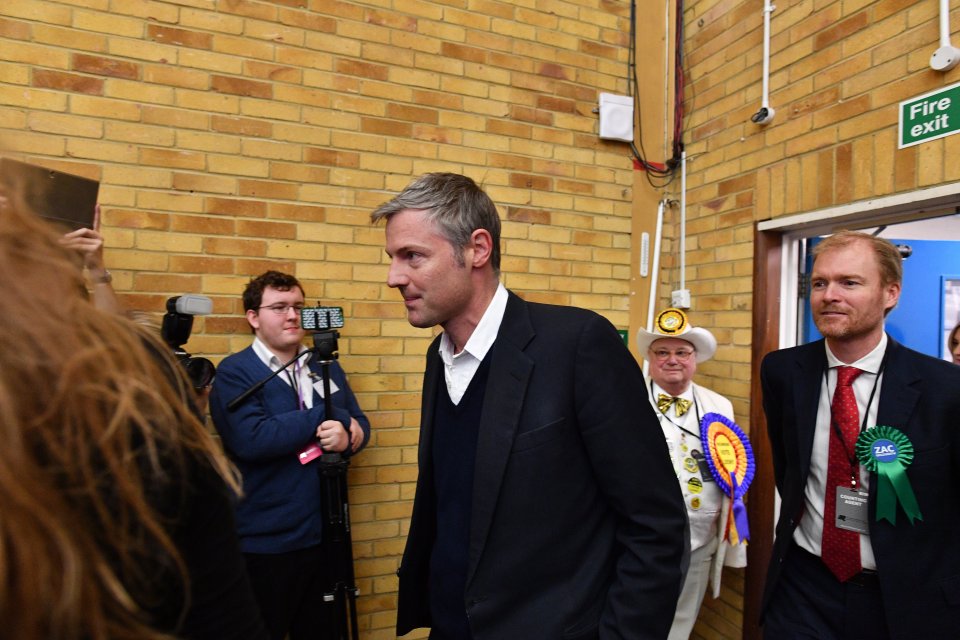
(295, 383)
(851, 455)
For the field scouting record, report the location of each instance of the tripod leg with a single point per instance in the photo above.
(352, 602)
(339, 550)
(350, 587)
(332, 629)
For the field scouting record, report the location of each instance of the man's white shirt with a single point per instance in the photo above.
(459, 369)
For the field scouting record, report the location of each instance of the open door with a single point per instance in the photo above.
(780, 313)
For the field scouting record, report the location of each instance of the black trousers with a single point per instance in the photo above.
(289, 589)
(810, 603)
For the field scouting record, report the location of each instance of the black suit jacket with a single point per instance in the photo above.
(919, 564)
(578, 528)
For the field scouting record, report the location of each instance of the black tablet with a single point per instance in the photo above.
(64, 199)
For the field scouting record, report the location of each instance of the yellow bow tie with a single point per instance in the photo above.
(664, 401)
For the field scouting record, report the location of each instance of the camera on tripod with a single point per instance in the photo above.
(341, 598)
(323, 322)
(175, 331)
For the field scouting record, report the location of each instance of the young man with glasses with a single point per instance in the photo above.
(673, 351)
(279, 518)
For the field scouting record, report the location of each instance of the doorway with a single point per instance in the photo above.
(780, 248)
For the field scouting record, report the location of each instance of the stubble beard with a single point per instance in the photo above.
(847, 328)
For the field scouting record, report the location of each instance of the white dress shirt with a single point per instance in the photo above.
(459, 369)
(809, 533)
(297, 375)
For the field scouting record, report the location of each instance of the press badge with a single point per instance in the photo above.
(311, 452)
(852, 510)
(318, 386)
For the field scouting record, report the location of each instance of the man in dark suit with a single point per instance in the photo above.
(847, 564)
(546, 506)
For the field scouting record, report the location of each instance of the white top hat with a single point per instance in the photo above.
(672, 323)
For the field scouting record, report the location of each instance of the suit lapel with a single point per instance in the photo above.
(510, 372)
(899, 394)
(811, 362)
(428, 407)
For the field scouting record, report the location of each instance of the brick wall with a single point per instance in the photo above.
(838, 69)
(236, 136)
(240, 135)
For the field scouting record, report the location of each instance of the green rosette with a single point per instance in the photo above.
(887, 452)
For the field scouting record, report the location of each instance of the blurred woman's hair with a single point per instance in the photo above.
(98, 437)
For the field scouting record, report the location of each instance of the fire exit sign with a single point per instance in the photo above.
(930, 116)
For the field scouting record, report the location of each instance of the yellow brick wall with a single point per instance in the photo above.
(838, 70)
(234, 136)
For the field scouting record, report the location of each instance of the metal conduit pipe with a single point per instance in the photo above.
(766, 112)
(654, 278)
(947, 56)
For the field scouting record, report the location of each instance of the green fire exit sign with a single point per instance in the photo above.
(930, 116)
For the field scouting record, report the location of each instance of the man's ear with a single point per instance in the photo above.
(892, 295)
(482, 244)
(253, 318)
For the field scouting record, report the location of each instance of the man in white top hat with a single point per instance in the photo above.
(673, 350)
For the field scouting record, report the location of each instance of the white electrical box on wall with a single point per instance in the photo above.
(616, 117)
(680, 298)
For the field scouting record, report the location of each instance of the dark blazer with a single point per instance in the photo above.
(919, 564)
(578, 527)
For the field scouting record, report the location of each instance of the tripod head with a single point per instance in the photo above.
(325, 346)
(322, 323)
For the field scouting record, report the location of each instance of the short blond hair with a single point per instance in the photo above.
(888, 256)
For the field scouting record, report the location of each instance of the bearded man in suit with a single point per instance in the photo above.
(856, 555)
